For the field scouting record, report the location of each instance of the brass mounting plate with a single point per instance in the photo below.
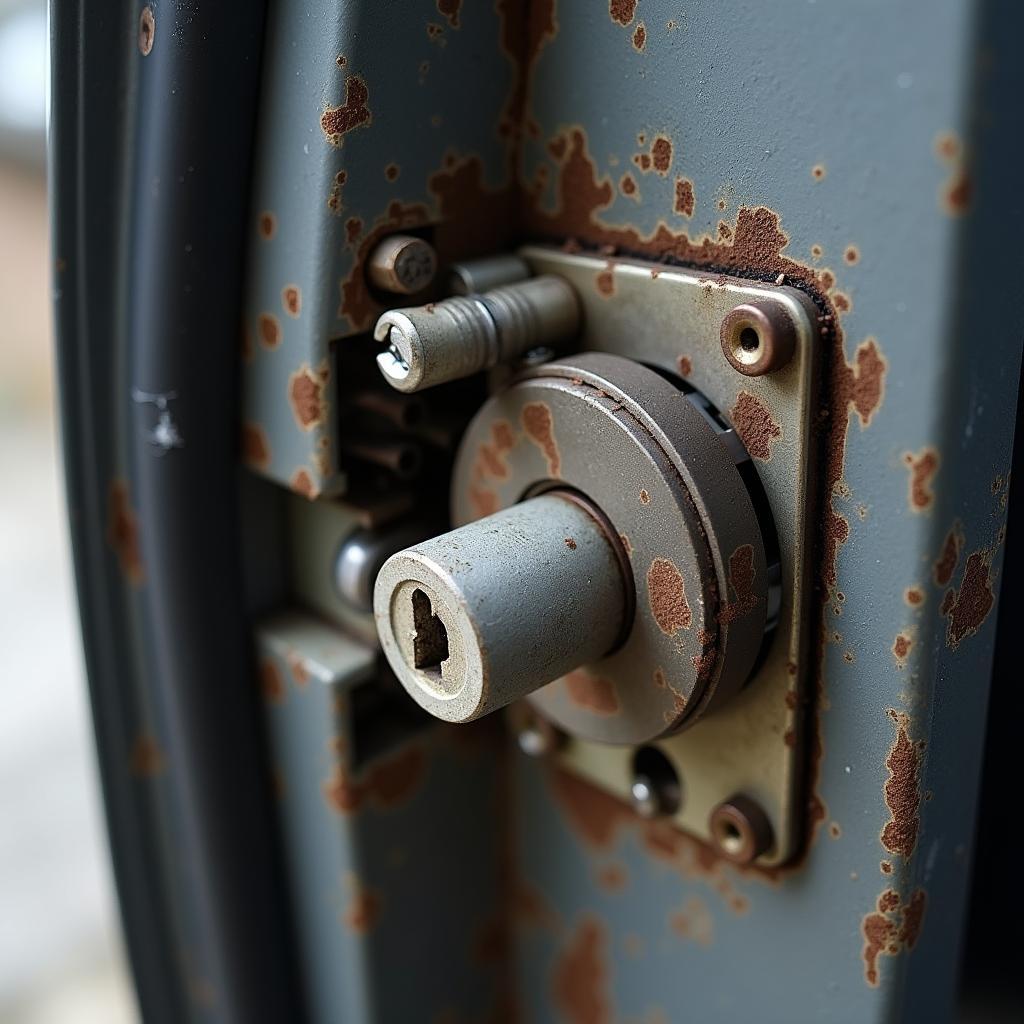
(670, 317)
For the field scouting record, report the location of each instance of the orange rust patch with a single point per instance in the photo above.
(363, 910)
(353, 229)
(255, 446)
(267, 225)
(450, 10)
(851, 255)
(269, 330)
(968, 606)
(627, 544)
(591, 692)
(902, 789)
(291, 299)
(922, 466)
(622, 11)
(755, 426)
(645, 498)
(491, 459)
(724, 231)
(947, 147)
(817, 252)
(627, 185)
(337, 122)
(658, 159)
(581, 975)
(666, 593)
(893, 927)
(523, 35)
(612, 877)
(271, 684)
(901, 648)
(957, 193)
(147, 31)
(384, 786)
(123, 532)
(302, 483)
(297, 667)
(741, 579)
(539, 427)
(570, 543)
(391, 172)
(943, 569)
(533, 909)
(818, 172)
(305, 395)
(914, 596)
(685, 365)
(147, 758)
(640, 37)
(694, 921)
(606, 280)
(685, 200)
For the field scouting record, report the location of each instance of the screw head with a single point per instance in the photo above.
(740, 829)
(758, 338)
(537, 737)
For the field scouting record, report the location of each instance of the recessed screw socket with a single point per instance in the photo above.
(758, 337)
(740, 829)
(402, 265)
(462, 335)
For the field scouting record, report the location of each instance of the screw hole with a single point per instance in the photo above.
(730, 837)
(430, 644)
(657, 790)
(750, 340)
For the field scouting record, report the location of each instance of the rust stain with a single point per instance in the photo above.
(255, 446)
(666, 593)
(123, 532)
(147, 31)
(724, 231)
(147, 758)
(302, 483)
(851, 255)
(741, 580)
(383, 786)
(914, 596)
(533, 909)
(658, 158)
(306, 397)
(271, 684)
(640, 37)
(627, 544)
(693, 921)
(893, 927)
(337, 122)
(902, 789)
(570, 543)
(291, 299)
(581, 975)
(364, 907)
(523, 35)
(922, 467)
(901, 648)
(591, 692)
(627, 184)
(612, 877)
(605, 280)
(297, 667)
(957, 193)
(267, 225)
(944, 568)
(755, 426)
(449, 9)
(353, 229)
(818, 172)
(491, 457)
(685, 199)
(622, 11)
(269, 330)
(539, 427)
(391, 172)
(685, 365)
(968, 606)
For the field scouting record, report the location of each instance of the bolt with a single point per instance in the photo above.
(402, 265)
(740, 829)
(462, 335)
(758, 337)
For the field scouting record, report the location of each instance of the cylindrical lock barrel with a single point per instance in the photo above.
(481, 616)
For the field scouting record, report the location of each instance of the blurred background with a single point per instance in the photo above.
(61, 958)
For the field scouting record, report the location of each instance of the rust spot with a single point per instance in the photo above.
(741, 579)
(523, 35)
(627, 185)
(364, 908)
(658, 159)
(267, 225)
(385, 785)
(957, 193)
(123, 532)
(694, 922)
(450, 10)
(851, 255)
(269, 330)
(685, 200)
(146, 759)
(581, 975)
(622, 11)
(297, 667)
(570, 543)
(302, 483)
(685, 365)
(391, 172)
(947, 147)
(968, 606)
(893, 927)
(923, 466)
(556, 147)
(817, 252)
(305, 395)
(538, 424)
(147, 30)
(255, 446)
(626, 544)
(592, 693)
(818, 172)
(291, 299)
(533, 909)
(640, 37)
(901, 648)
(353, 229)
(666, 593)
(755, 426)
(341, 60)
(271, 684)
(885, 867)
(902, 789)
(914, 596)
(612, 877)
(606, 281)
(336, 122)
(834, 830)
(943, 569)
(645, 498)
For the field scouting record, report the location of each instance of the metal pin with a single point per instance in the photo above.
(402, 265)
(475, 276)
(401, 458)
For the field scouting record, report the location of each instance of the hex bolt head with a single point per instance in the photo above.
(402, 265)
(758, 337)
(740, 829)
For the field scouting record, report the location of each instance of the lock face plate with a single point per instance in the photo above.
(670, 318)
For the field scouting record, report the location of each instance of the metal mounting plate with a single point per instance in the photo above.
(669, 317)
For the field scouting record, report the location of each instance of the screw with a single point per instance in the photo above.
(740, 829)
(655, 791)
(402, 265)
(758, 337)
(538, 737)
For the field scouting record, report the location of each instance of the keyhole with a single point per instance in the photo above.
(430, 641)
